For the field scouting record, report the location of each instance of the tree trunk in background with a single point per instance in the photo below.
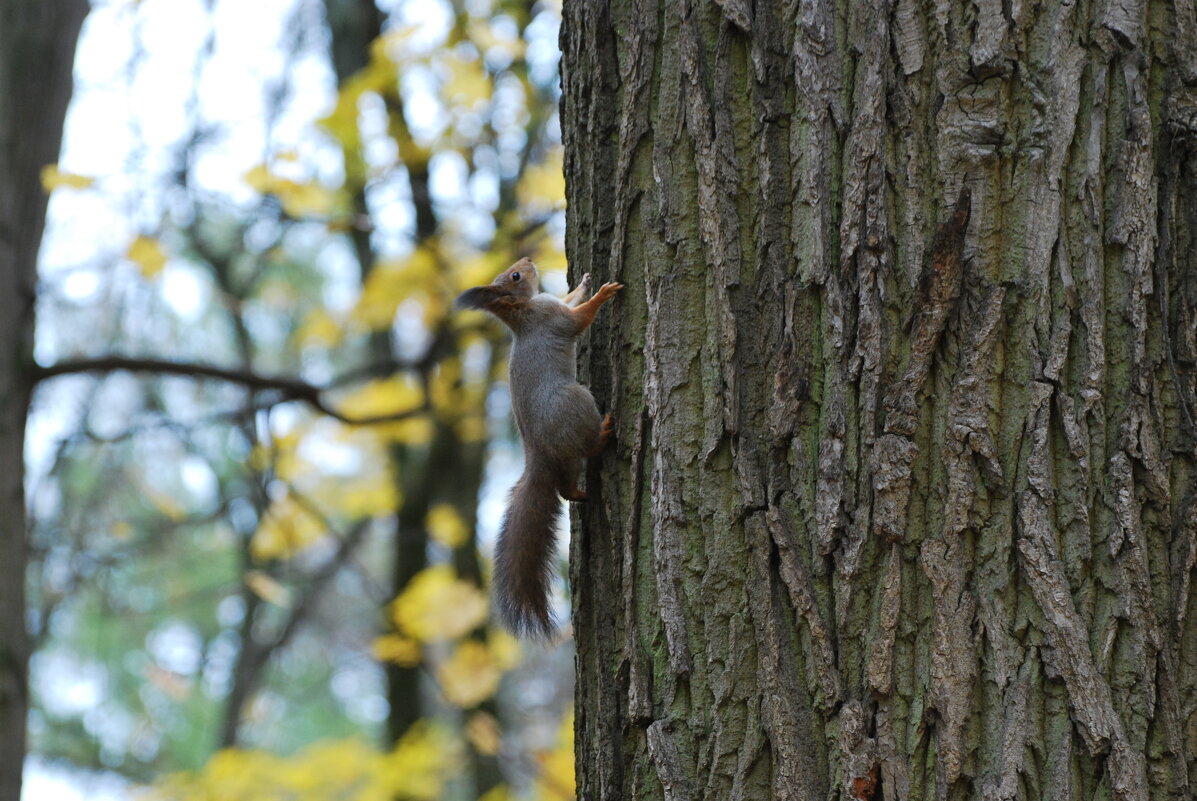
(875, 525)
(353, 27)
(448, 470)
(37, 51)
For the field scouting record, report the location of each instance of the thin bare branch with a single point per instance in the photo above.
(288, 388)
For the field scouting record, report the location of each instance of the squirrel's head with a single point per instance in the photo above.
(517, 284)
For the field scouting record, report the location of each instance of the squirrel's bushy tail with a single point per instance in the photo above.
(524, 553)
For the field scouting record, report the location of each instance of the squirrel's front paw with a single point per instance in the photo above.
(610, 288)
(584, 285)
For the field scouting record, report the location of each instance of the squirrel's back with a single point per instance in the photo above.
(557, 417)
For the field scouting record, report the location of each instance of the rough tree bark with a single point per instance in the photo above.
(883, 522)
(37, 52)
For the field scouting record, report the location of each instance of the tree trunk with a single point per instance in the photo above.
(892, 513)
(37, 51)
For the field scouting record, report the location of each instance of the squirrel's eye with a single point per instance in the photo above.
(515, 276)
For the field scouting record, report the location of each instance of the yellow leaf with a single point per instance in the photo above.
(53, 179)
(453, 396)
(284, 456)
(267, 588)
(147, 254)
(484, 733)
(260, 179)
(231, 775)
(445, 526)
(556, 778)
(479, 269)
(389, 396)
(504, 648)
(382, 293)
(382, 396)
(501, 792)
(299, 198)
(286, 529)
(468, 82)
(551, 259)
(163, 502)
(484, 36)
(343, 471)
(470, 676)
(348, 769)
(421, 762)
(392, 282)
(319, 328)
(436, 606)
(371, 495)
(305, 199)
(542, 186)
(471, 428)
(341, 123)
(389, 47)
(379, 76)
(398, 649)
(260, 457)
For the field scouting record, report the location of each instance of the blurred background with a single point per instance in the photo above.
(265, 486)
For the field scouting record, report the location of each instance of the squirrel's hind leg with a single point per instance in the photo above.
(601, 441)
(567, 487)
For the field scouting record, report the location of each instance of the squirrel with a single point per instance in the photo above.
(558, 422)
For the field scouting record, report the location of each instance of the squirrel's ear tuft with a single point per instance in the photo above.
(476, 298)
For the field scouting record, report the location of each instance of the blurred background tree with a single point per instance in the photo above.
(37, 44)
(260, 436)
